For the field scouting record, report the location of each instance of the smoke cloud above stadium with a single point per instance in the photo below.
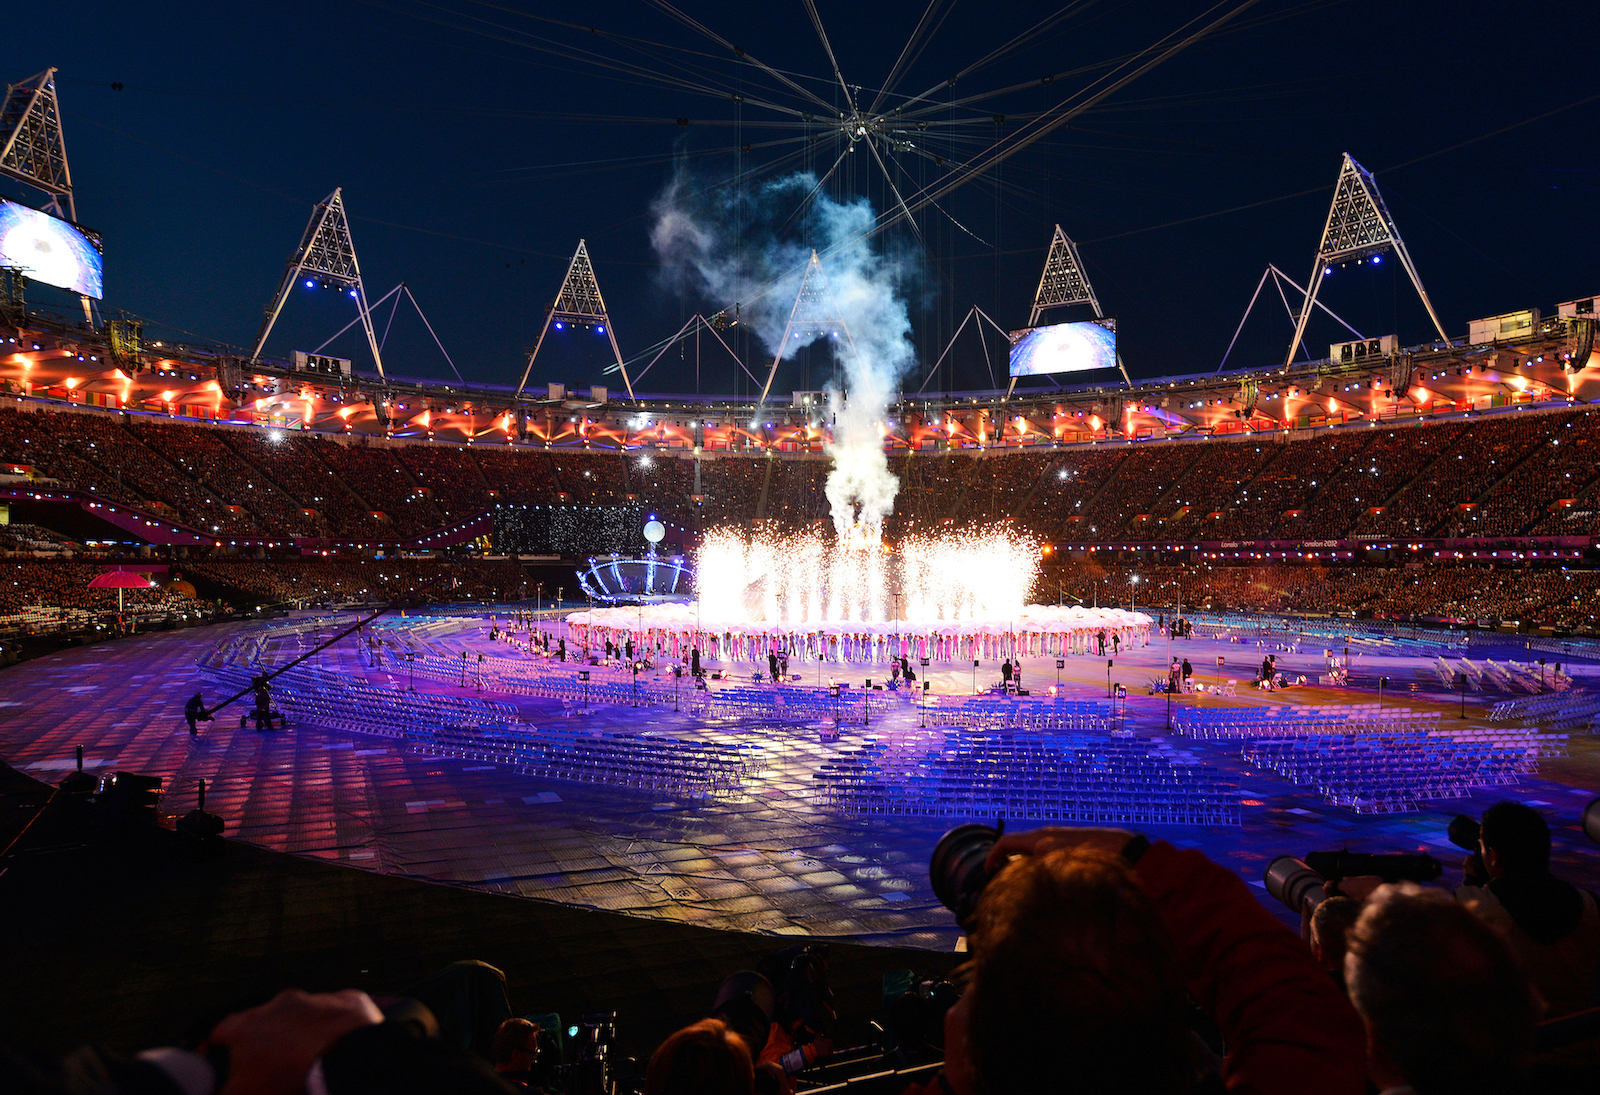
(754, 249)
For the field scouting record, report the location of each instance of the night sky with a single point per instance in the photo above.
(476, 143)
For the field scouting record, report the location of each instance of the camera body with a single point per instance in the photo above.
(1464, 832)
(595, 1068)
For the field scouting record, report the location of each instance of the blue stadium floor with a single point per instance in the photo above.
(774, 859)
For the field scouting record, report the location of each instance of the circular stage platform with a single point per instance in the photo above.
(745, 809)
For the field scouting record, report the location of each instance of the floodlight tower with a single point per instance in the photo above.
(579, 302)
(33, 150)
(1062, 282)
(815, 315)
(326, 255)
(1359, 226)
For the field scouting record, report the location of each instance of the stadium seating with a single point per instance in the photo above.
(1508, 474)
(959, 773)
(1514, 473)
(469, 727)
(1394, 771)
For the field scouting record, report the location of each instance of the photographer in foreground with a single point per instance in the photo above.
(1446, 1006)
(1084, 943)
(1552, 925)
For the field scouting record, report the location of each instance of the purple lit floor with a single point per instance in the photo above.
(773, 860)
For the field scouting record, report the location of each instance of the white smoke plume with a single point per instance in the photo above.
(693, 235)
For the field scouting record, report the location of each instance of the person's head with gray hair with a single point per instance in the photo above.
(1446, 1004)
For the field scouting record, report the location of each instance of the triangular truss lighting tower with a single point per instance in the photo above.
(1359, 226)
(579, 302)
(33, 151)
(815, 315)
(31, 145)
(1063, 283)
(326, 256)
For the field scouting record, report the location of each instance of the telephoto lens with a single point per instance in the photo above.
(1389, 866)
(1591, 820)
(956, 868)
(1295, 884)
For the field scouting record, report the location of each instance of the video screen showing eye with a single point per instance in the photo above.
(1064, 348)
(50, 250)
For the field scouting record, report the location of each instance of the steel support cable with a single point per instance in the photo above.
(741, 94)
(525, 40)
(805, 201)
(641, 45)
(1064, 112)
(1046, 123)
(413, 109)
(827, 47)
(1323, 189)
(995, 54)
(609, 35)
(781, 162)
(975, 123)
(941, 209)
(1197, 97)
(1218, 96)
(695, 25)
(934, 109)
(394, 311)
(370, 309)
(907, 57)
(1059, 115)
(575, 167)
(1237, 28)
(642, 74)
(1000, 185)
(895, 190)
(732, 180)
(423, 316)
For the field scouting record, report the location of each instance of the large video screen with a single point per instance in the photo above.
(50, 250)
(1064, 348)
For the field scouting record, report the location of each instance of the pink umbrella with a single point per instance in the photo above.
(119, 580)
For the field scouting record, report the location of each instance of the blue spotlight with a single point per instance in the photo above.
(310, 284)
(560, 326)
(600, 330)
(1376, 259)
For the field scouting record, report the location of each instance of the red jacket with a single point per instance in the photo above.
(1288, 1028)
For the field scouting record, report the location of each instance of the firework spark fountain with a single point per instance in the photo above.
(947, 596)
(804, 579)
